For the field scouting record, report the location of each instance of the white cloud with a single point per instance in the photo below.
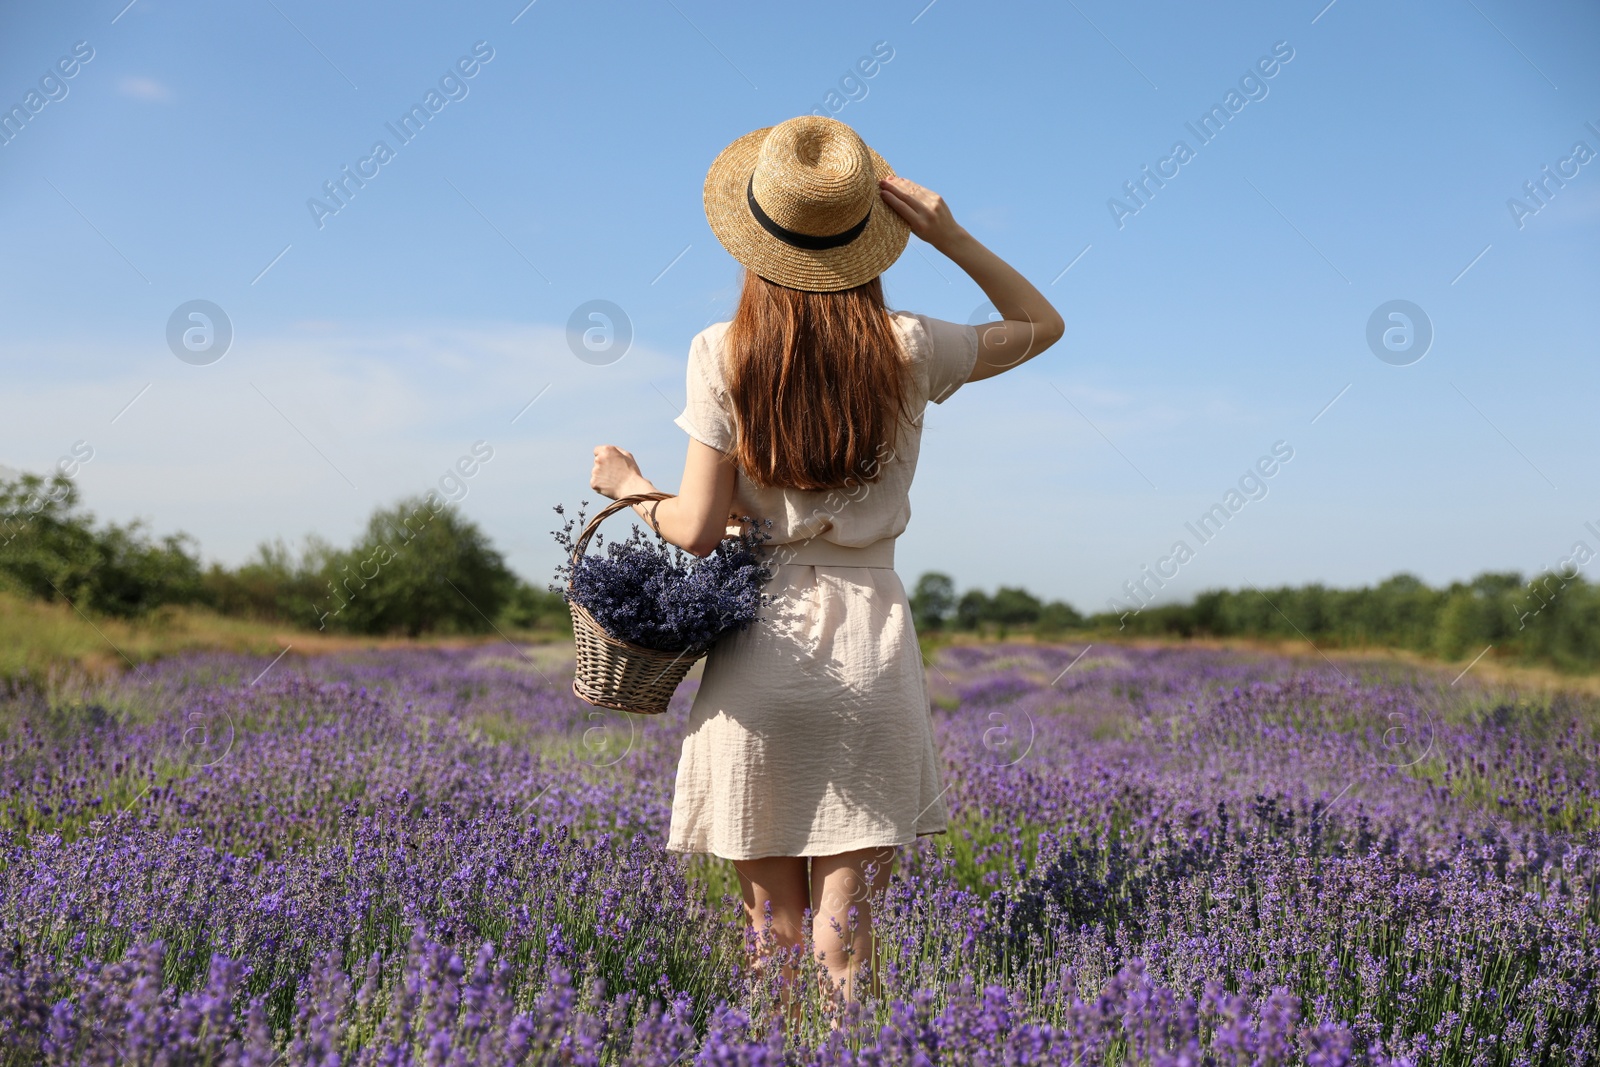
(1577, 207)
(261, 443)
(141, 88)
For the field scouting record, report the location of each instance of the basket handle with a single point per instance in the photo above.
(605, 513)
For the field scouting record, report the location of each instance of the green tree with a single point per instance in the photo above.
(420, 567)
(1565, 631)
(1012, 606)
(1477, 614)
(972, 609)
(274, 585)
(933, 601)
(532, 608)
(51, 549)
(1058, 616)
(1401, 610)
(47, 547)
(134, 574)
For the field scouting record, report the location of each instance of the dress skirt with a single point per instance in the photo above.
(811, 732)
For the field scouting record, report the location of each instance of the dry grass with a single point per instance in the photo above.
(1488, 670)
(40, 640)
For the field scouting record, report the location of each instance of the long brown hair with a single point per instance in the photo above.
(817, 382)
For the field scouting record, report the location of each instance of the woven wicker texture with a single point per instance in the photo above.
(814, 176)
(616, 674)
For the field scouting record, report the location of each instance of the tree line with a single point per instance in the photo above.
(422, 567)
(1552, 618)
(935, 607)
(419, 567)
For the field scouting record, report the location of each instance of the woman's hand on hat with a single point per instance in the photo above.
(616, 473)
(923, 209)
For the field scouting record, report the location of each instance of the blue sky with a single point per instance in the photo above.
(372, 347)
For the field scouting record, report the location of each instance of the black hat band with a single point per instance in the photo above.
(801, 240)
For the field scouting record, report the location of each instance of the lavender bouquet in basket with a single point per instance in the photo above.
(649, 593)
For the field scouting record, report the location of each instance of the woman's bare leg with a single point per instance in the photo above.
(777, 886)
(840, 885)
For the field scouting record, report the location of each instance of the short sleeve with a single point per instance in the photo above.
(706, 416)
(952, 353)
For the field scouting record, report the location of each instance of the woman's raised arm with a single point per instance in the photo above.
(1029, 323)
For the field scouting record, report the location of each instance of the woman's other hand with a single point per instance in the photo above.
(1029, 324)
(923, 209)
(616, 473)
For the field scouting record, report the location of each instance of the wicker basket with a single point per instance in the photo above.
(615, 674)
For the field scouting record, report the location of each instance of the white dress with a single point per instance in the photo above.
(810, 734)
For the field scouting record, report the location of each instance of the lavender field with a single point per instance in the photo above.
(1156, 856)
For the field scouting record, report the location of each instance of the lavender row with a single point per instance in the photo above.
(1153, 856)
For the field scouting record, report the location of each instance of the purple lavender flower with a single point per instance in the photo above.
(649, 593)
(1203, 858)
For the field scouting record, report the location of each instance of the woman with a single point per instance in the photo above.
(810, 739)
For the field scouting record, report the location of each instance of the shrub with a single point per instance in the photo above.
(273, 586)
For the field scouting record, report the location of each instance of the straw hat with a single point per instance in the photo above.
(798, 204)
